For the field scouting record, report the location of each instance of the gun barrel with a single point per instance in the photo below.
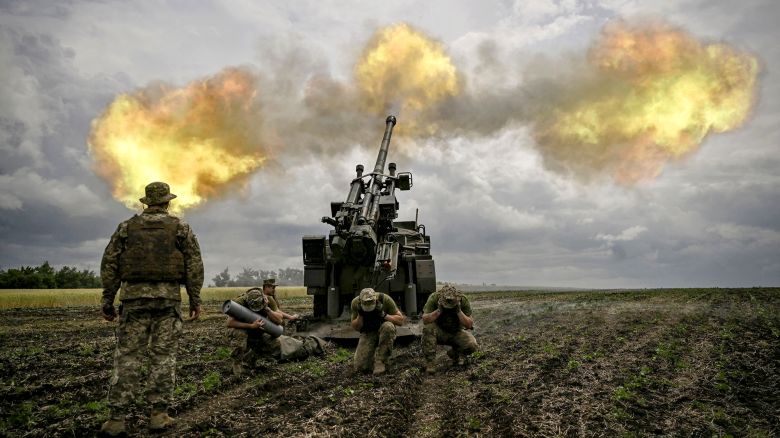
(382, 156)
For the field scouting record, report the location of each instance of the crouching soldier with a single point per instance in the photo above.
(251, 342)
(269, 289)
(375, 316)
(446, 317)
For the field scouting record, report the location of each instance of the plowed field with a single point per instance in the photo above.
(693, 362)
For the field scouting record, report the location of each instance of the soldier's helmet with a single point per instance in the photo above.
(157, 193)
(449, 296)
(255, 300)
(368, 299)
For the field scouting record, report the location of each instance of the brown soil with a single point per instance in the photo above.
(669, 362)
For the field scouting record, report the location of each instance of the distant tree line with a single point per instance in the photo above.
(249, 277)
(46, 277)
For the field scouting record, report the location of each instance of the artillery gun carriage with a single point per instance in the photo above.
(368, 247)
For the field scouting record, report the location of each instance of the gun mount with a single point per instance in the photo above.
(368, 247)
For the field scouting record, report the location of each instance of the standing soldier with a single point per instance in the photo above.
(147, 258)
(269, 289)
(375, 316)
(446, 317)
(251, 342)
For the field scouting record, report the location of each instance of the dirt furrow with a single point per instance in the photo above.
(612, 363)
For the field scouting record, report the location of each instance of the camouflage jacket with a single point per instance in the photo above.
(372, 320)
(448, 320)
(272, 303)
(186, 242)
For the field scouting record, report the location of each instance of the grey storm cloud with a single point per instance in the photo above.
(495, 212)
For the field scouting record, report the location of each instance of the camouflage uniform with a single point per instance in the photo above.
(150, 319)
(376, 336)
(447, 329)
(272, 302)
(251, 345)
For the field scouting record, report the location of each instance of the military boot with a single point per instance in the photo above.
(379, 368)
(160, 420)
(113, 427)
(456, 359)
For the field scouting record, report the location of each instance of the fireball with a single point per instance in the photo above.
(657, 93)
(200, 139)
(404, 71)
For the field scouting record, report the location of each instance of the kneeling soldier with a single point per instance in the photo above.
(375, 316)
(269, 289)
(251, 342)
(446, 317)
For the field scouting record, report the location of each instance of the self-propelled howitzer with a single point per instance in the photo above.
(368, 247)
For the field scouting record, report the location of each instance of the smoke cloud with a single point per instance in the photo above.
(645, 94)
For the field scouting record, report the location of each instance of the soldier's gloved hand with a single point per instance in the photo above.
(195, 312)
(382, 315)
(108, 311)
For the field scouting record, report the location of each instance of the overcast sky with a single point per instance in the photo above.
(495, 212)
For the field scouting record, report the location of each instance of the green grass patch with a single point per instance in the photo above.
(622, 393)
(221, 353)
(477, 355)
(669, 352)
(483, 368)
(63, 408)
(186, 390)
(212, 381)
(25, 352)
(722, 382)
(21, 416)
(590, 357)
(340, 356)
(550, 349)
(99, 408)
(86, 350)
(619, 415)
(365, 385)
(311, 366)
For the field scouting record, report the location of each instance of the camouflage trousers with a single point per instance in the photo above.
(462, 342)
(374, 346)
(247, 349)
(142, 332)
